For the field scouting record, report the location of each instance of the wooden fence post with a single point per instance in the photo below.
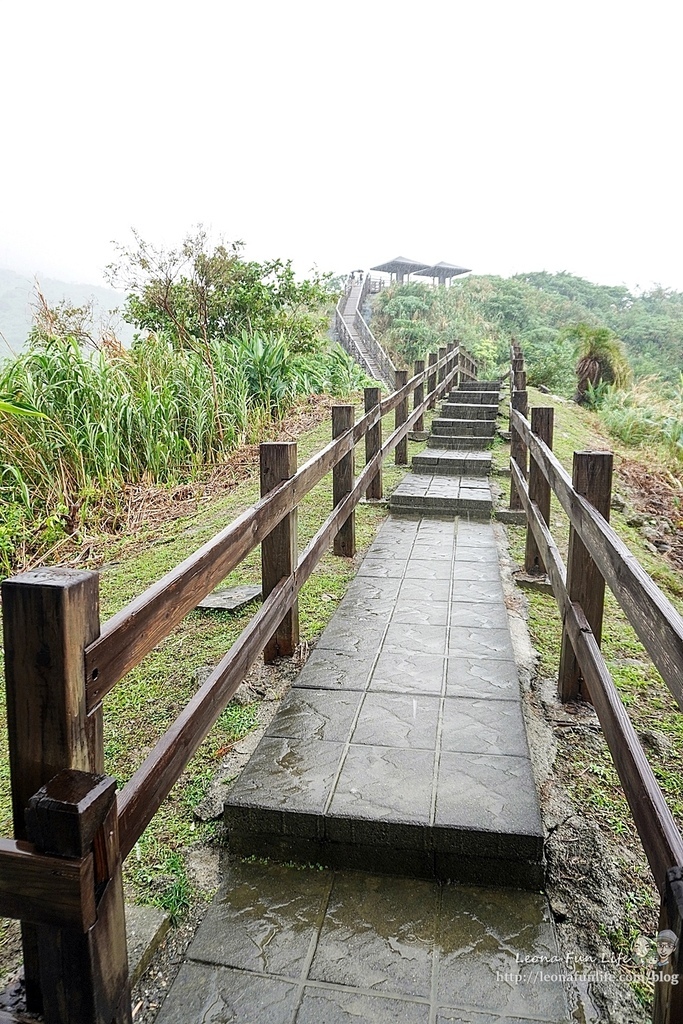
(668, 1002)
(49, 617)
(520, 404)
(592, 478)
(400, 416)
(431, 378)
(419, 395)
(442, 370)
(84, 977)
(279, 550)
(539, 488)
(342, 483)
(373, 442)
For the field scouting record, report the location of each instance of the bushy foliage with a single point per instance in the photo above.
(199, 293)
(222, 351)
(646, 413)
(485, 312)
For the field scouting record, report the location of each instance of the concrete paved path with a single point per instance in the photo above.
(292, 945)
(401, 746)
(401, 749)
(449, 476)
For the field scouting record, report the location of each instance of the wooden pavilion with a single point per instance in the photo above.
(400, 268)
(442, 272)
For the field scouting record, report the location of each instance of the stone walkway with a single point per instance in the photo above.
(449, 476)
(285, 945)
(401, 746)
(394, 776)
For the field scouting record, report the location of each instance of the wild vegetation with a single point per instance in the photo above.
(536, 309)
(223, 348)
(603, 346)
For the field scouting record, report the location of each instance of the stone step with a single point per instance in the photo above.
(401, 746)
(473, 397)
(455, 411)
(480, 385)
(439, 495)
(475, 428)
(464, 442)
(451, 462)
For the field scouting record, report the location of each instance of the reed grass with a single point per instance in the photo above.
(155, 414)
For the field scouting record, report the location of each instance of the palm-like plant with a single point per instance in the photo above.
(600, 358)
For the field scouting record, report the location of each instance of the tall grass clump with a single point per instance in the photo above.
(649, 412)
(77, 425)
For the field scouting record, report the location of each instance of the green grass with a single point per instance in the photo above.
(585, 768)
(146, 702)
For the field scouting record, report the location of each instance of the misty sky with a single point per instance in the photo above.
(504, 136)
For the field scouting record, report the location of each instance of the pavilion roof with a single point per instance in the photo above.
(442, 270)
(400, 265)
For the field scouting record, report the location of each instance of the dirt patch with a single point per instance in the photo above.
(657, 495)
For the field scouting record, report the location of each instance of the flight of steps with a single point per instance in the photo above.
(450, 477)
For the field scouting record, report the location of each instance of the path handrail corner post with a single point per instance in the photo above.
(592, 479)
(279, 549)
(344, 543)
(49, 618)
(373, 441)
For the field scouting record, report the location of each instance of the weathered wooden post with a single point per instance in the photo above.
(431, 379)
(451, 348)
(668, 1002)
(419, 395)
(279, 550)
(591, 478)
(342, 483)
(84, 976)
(442, 369)
(520, 404)
(49, 617)
(539, 488)
(400, 416)
(373, 442)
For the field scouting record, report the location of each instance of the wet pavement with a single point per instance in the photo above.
(449, 478)
(300, 945)
(401, 751)
(401, 746)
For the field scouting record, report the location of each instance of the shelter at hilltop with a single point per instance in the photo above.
(400, 268)
(442, 272)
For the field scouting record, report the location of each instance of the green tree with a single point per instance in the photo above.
(198, 293)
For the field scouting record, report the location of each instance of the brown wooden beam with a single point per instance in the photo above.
(279, 550)
(342, 483)
(592, 479)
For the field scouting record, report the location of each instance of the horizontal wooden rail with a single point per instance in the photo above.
(656, 827)
(135, 631)
(655, 620)
(46, 890)
(144, 793)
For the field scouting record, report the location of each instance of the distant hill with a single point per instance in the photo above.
(17, 295)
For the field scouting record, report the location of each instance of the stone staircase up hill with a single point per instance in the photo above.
(450, 477)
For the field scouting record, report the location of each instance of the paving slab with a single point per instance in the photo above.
(454, 410)
(403, 737)
(303, 945)
(434, 494)
(452, 462)
(455, 425)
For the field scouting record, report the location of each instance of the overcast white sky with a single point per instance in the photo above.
(504, 136)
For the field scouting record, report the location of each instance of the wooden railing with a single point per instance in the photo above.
(597, 556)
(376, 353)
(61, 874)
